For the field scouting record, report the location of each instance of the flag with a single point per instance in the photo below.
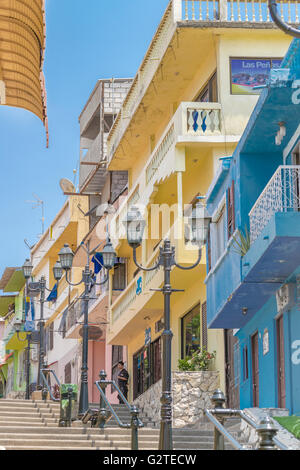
(53, 294)
(98, 262)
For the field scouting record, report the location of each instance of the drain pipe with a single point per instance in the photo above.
(272, 5)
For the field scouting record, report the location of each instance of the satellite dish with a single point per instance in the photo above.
(67, 186)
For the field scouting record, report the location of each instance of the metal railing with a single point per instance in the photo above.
(265, 429)
(99, 417)
(46, 374)
(281, 194)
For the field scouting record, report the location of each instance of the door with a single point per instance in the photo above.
(255, 370)
(295, 195)
(231, 370)
(280, 363)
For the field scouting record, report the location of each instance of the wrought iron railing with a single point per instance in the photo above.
(282, 194)
(265, 429)
(99, 417)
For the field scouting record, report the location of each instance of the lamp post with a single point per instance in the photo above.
(286, 28)
(30, 337)
(66, 259)
(40, 287)
(135, 225)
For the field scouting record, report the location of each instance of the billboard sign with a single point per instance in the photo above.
(246, 74)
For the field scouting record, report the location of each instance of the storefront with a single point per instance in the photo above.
(146, 367)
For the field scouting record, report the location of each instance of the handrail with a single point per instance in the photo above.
(47, 385)
(223, 430)
(112, 382)
(265, 429)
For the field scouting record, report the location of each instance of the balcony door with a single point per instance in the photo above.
(255, 370)
(280, 363)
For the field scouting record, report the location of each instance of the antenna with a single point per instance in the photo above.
(39, 203)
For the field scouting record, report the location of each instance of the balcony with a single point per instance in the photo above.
(282, 194)
(92, 171)
(193, 123)
(183, 14)
(273, 255)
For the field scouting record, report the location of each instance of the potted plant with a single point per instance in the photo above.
(200, 360)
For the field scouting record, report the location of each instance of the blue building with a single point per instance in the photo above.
(253, 278)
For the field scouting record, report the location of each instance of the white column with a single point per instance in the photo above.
(223, 10)
(177, 10)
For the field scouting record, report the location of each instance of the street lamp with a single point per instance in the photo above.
(31, 336)
(286, 28)
(135, 224)
(40, 287)
(66, 259)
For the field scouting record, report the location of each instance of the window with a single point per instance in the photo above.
(191, 332)
(210, 91)
(230, 211)
(245, 363)
(116, 356)
(119, 276)
(219, 234)
(68, 378)
(146, 367)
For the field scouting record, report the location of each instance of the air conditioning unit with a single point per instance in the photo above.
(285, 297)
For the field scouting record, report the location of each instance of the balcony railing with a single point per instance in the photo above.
(75, 311)
(282, 194)
(254, 11)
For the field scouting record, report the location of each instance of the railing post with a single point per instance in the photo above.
(69, 415)
(218, 400)
(134, 427)
(177, 10)
(223, 10)
(102, 410)
(266, 432)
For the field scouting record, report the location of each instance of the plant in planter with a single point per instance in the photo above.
(200, 360)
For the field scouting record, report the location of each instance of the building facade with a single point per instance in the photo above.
(253, 278)
(187, 108)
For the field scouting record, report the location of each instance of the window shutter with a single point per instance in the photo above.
(230, 211)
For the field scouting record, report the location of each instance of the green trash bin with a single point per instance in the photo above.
(68, 404)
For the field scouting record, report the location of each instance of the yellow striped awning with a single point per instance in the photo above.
(22, 48)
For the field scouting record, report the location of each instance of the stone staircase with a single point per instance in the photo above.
(33, 425)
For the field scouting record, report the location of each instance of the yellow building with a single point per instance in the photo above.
(22, 38)
(187, 108)
(68, 227)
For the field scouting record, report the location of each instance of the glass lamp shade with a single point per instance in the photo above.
(66, 257)
(135, 225)
(199, 224)
(109, 256)
(27, 269)
(57, 271)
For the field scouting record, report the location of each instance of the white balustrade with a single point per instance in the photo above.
(255, 11)
(160, 154)
(282, 194)
(204, 119)
(125, 299)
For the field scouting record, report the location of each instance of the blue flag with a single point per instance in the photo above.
(98, 262)
(53, 294)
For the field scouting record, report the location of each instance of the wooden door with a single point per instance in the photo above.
(280, 363)
(231, 370)
(255, 370)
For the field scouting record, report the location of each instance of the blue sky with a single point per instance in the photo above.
(86, 40)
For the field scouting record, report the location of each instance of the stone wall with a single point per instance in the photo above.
(191, 395)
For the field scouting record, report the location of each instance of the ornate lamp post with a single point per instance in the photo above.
(31, 337)
(135, 225)
(40, 286)
(66, 259)
(286, 28)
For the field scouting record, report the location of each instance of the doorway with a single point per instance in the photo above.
(255, 370)
(280, 363)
